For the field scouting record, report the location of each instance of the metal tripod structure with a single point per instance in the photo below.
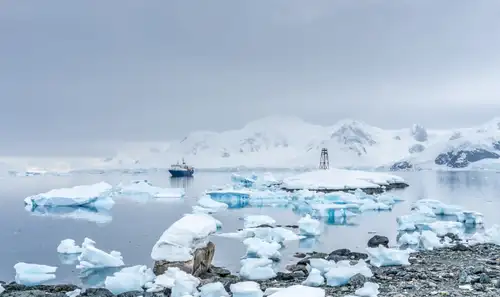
(324, 162)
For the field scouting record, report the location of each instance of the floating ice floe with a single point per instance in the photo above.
(91, 214)
(339, 179)
(382, 256)
(68, 246)
(258, 220)
(185, 235)
(95, 195)
(94, 258)
(246, 289)
(2, 289)
(143, 188)
(33, 274)
(256, 181)
(259, 248)
(276, 234)
(129, 279)
(257, 269)
(442, 209)
(208, 205)
(309, 226)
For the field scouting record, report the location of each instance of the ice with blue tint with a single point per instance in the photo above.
(257, 269)
(309, 226)
(208, 205)
(143, 188)
(314, 279)
(68, 246)
(129, 279)
(382, 256)
(213, 290)
(86, 213)
(256, 181)
(259, 248)
(93, 258)
(94, 195)
(246, 289)
(33, 274)
(343, 271)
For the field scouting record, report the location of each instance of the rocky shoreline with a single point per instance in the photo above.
(456, 271)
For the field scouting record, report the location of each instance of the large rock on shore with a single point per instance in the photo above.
(377, 240)
(200, 264)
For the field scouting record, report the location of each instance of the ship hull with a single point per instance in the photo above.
(181, 173)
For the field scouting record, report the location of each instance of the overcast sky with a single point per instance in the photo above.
(76, 73)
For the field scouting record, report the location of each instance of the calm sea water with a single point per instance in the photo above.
(133, 226)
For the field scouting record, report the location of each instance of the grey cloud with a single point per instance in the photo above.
(74, 74)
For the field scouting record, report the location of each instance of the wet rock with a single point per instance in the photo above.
(202, 261)
(97, 292)
(377, 240)
(460, 248)
(357, 281)
(299, 255)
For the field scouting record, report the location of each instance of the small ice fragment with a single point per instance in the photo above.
(213, 290)
(68, 246)
(92, 257)
(314, 279)
(129, 279)
(74, 293)
(33, 274)
(369, 289)
(309, 226)
(257, 269)
(299, 291)
(258, 220)
(246, 289)
(382, 256)
(1, 289)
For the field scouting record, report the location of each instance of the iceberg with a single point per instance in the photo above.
(96, 195)
(382, 256)
(33, 274)
(246, 289)
(309, 226)
(129, 279)
(207, 203)
(93, 258)
(68, 246)
(340, 179)
(144, 188)
(180, 240)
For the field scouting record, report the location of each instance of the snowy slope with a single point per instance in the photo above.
(290, 142)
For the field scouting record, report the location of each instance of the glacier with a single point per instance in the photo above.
(281, 142)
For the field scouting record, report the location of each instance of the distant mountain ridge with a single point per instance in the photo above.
(290, 142)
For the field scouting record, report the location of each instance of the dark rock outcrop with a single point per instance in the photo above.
(377, 240)
(462, 158)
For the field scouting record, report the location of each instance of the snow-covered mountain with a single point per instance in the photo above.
(289, 142)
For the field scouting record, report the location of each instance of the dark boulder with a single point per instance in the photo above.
(377, 240)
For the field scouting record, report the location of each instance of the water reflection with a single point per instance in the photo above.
(181, 182)
(95, 277)
(68, 259)
(91, 214)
